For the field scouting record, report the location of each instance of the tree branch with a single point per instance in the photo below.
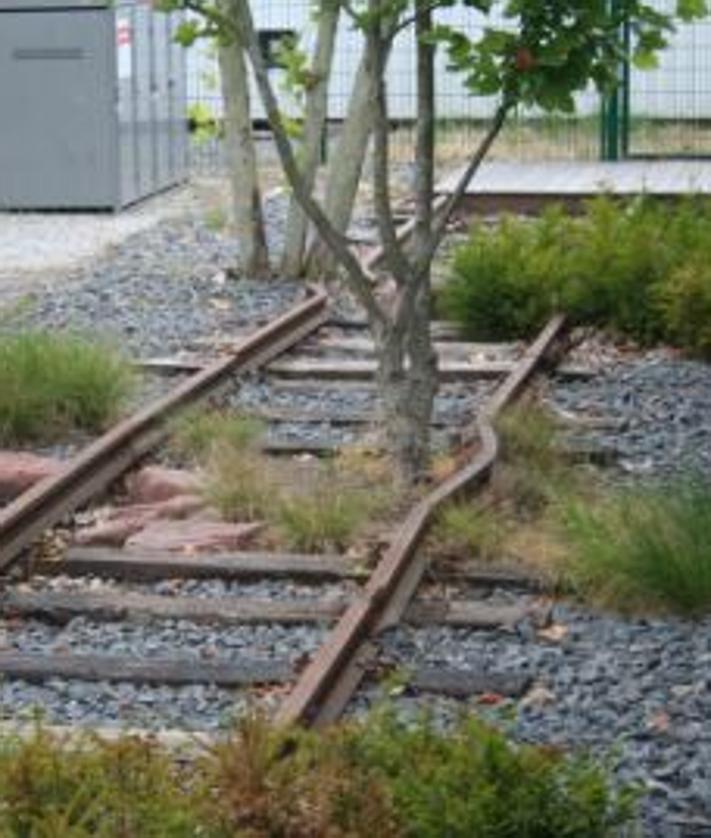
(425, 134)
(407, 300)
(393, 253)
(424, 10)
(487, 141)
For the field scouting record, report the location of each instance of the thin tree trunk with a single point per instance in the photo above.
(346, 166)
(422, 373)
(242, 161)
(314, 126)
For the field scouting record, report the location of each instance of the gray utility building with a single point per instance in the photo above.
(92, 104)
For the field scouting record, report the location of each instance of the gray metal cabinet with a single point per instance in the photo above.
(92, 104)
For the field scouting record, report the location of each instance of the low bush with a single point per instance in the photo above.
(52, 384)
(643, 548)
(88, 787)
(474, 782)
(380, 778)
(636, 268)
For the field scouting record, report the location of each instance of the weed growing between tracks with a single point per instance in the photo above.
(309, 505)
(53, 384)
(634, 549)
(379, 778)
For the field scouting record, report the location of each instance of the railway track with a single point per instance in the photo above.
(298, 631)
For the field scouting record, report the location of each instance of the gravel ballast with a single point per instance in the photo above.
(636, 689)
(159, 291)
(103, 704)
(639, 688)
(660, 409)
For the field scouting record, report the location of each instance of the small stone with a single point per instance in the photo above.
(538, 696)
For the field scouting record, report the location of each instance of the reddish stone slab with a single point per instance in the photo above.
(193, 536)
(153, 484)
(124, 521)
(20, 469)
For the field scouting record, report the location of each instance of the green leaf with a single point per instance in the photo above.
(691, 9)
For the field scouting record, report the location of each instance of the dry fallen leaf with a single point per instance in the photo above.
(659, 722)
(490, 699)
(555, 632)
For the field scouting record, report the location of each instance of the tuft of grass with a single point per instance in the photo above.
(197, 432)
(216, 219)
(326, 517)
(53, 384)
(643, 548)
(464, 529)
(239, 484)
(531, 470)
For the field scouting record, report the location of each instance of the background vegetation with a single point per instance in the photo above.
(641, 269)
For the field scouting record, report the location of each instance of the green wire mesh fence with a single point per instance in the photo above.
(665, 112)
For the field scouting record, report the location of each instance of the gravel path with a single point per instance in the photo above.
(164, 638)
(200, 588)
(155, 292)
(32, 242)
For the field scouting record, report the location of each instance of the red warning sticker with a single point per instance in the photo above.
(124, 33)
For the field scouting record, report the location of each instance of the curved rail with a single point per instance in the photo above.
(329, 681)
(94, 468)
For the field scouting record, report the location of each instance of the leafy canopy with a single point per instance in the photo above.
(533, 52)
(544, 51)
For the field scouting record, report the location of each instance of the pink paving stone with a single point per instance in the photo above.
(19, 470)
(110, 533)
(193, 536)
(155, 483)
(124, 521)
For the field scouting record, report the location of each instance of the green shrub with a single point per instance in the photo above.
(632, 267)
(685, 304)
(379, 778)
(642, 549)
(474, 783)
(51, 384)
(504, 280)
(51, 787)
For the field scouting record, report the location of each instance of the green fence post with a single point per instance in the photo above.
(614, 110)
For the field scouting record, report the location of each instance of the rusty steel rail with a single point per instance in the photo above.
(101, 462)
(328, 682)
